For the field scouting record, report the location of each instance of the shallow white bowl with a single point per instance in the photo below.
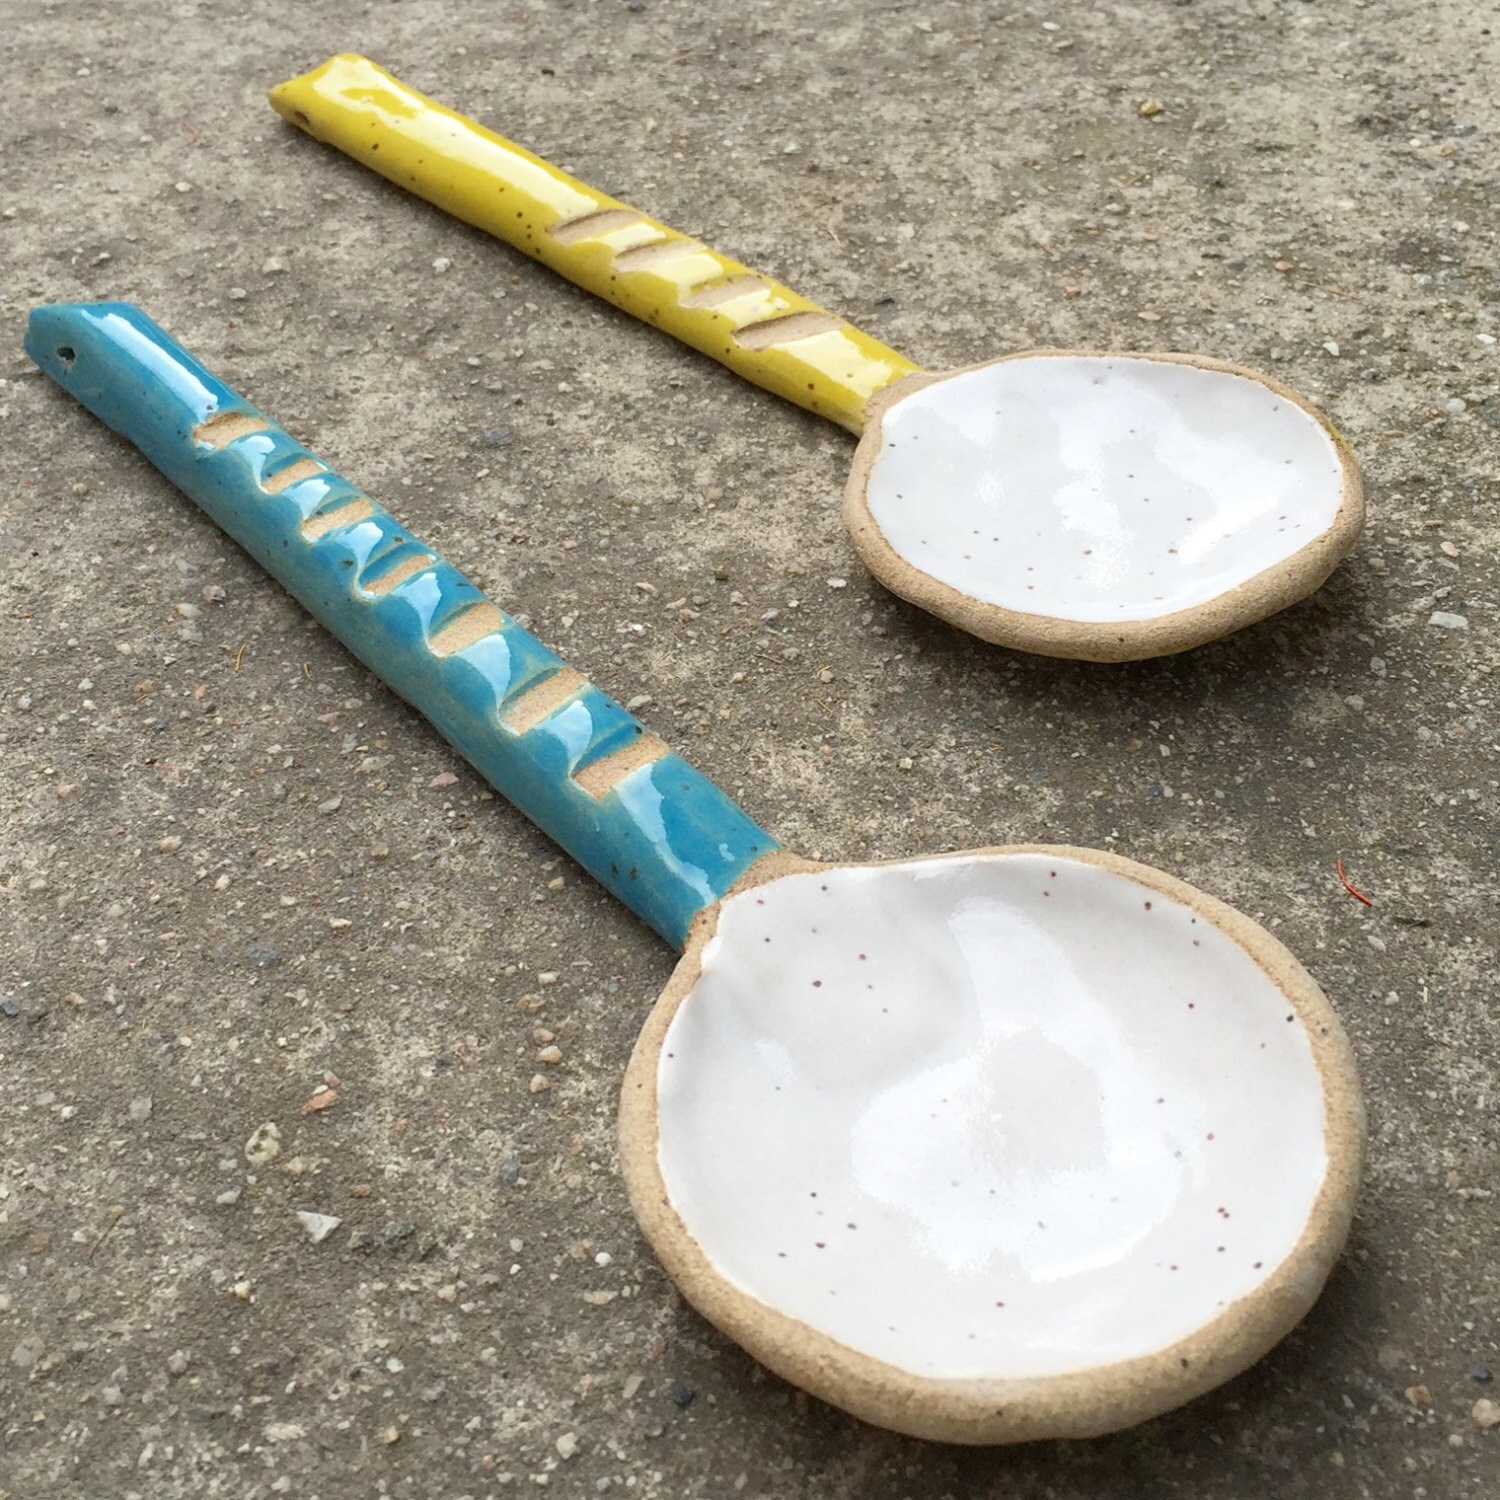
(990, 1122)
(1105, 505)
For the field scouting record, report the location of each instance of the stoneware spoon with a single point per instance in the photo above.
(1078, 504)
(1015, 1143)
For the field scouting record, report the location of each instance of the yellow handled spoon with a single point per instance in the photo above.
(1107, 507)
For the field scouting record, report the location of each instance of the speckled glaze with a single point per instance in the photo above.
(754, 325)
(1093, 488)
(1021, 1143)
(948, 1143)
(1096, 1174)
(641, 820)
(1122, 498)
(953, 542)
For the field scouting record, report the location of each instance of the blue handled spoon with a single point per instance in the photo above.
(1013, 1143)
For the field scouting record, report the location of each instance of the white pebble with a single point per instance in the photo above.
(567, 1444)
(264, 1146)
(1446, 621)
(318, 1226)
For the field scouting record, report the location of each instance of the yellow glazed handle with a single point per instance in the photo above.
(766, 332)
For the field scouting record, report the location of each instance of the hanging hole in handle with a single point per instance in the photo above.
(67, 354)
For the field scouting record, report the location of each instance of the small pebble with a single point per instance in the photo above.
(274, 266)
(177, 1363)
(567, 1444)
(1486, 1413)
(1418, 1395)
(1149, 109)
(140, 1108)
(540, 1085)
(169, 845)
(683, 1395)
(318, 1226)
(264, 1146)
(550, 1054)
(1445, 620)
(237, 294)
(330, 805)
(1482, 1373)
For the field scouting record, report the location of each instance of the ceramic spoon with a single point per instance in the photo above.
(1102, 506)
(1014, 1143)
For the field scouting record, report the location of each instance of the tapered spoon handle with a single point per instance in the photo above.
(641, 820)
(757, 327)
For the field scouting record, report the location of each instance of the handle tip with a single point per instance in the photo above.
(290, 98)
(61, 335)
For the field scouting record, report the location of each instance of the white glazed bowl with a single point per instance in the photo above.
(1108, 506)
(1043, 1137)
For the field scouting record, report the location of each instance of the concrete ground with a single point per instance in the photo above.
(198, 784)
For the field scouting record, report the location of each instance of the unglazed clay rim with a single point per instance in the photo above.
(1084, 1403)
(1262, 595)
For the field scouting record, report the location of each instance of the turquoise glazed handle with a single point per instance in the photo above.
(641, 820)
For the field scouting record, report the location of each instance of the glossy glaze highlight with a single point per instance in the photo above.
(988, 1116)
(1101, 487)
(641, 820)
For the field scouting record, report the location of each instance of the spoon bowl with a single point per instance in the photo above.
(1100, 506)
(1023, 1142)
